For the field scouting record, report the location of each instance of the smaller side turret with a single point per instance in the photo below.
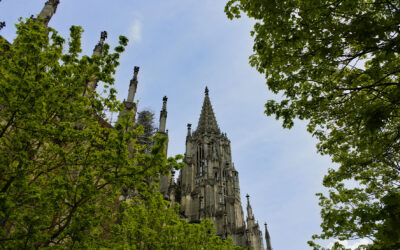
(254, 234)
(188, 151)
(133, 85)
(267, 237)
(99, 47)
(167, 182)
(250, 216)
(48, 11)
(163, 116)
(129, 104)
(92, 85)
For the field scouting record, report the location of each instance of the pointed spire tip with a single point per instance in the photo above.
(207, 122)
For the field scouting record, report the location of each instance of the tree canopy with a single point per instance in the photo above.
(336, 64)
(64, 171)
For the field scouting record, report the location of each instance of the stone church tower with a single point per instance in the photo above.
(209, 183)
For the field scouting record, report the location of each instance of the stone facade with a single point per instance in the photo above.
(208, 186)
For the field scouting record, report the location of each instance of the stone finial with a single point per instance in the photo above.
(2, 25)
(135, 72)
(54, 3)
(248, 198)
(103, 35)
(189, 128)
(206, 91)
(165, 99)
(164, 106)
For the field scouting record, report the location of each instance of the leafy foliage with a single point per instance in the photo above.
(63, 170)
(146, 120)
(336, 64)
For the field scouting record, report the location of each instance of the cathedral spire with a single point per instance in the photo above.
(48, 10)
(267, 238)
(163, 116)
(207, 121)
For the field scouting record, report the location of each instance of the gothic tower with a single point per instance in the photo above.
(209, 183)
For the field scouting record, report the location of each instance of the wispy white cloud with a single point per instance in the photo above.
(135, 31)
(351, 244)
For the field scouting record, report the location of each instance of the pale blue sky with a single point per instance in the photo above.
(181, 46)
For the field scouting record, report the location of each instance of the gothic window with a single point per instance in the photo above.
(220, 198)
(202, 168)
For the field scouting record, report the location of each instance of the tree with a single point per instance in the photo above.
(336, 64)
(58, 164)
(63, 168)
(146, 120)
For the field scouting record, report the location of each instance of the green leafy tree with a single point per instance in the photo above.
(336, 64)
(64, 170)
(151, 224)
(61, 169)
(146, 120)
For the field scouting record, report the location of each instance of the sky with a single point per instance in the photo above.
(182, 46)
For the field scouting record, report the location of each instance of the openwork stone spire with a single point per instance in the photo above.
(207, 121)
